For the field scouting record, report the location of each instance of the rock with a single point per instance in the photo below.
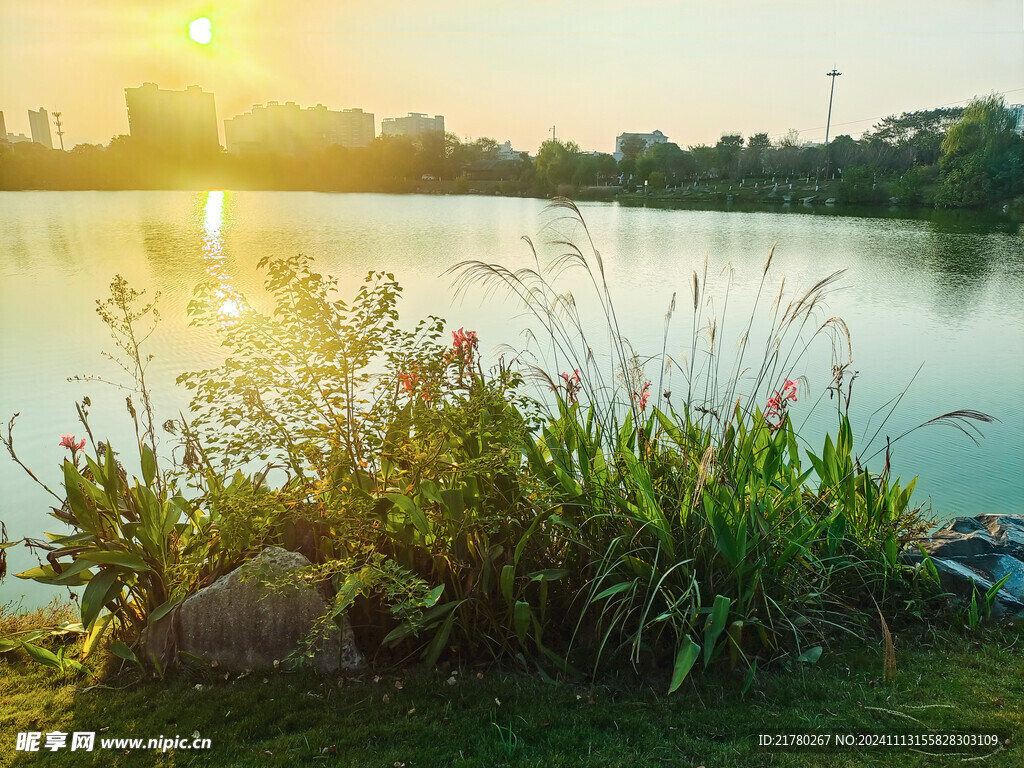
(973, 553)
(241, 624)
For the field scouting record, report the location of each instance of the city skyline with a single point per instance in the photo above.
(592, 71)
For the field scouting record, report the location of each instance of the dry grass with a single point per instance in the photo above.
(15, 620)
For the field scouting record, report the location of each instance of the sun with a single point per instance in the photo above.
(201, 30)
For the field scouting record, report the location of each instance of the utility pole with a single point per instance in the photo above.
(60, 132)
(833, 74)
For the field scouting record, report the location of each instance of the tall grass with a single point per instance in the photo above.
(709, 531)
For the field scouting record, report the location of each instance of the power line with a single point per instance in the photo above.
(882, 117)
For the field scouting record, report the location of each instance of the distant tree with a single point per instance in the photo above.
(759, 141)
(910, 189)
(632, 147)
(790, 138)
(728, 154)
(705, 157)
(670, 160)
(556, 163)
(843, 152)
(755, 156)
(656, 180)
(982, 156)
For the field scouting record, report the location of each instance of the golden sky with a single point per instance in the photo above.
(512, 70)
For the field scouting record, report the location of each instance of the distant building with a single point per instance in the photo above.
(287, 129)
(414, 124)
(506, 153)
(655, 137)
(18, 138)
(39, 123)
(176, 122)
(1017, 110)
(3, 128)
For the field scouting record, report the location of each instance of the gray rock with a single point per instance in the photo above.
(973, 553)
(243, 624)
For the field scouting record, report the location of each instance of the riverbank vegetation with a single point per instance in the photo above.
(949, 683)
(950, 157)
(638, 515)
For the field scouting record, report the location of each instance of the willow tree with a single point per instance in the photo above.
(982, 158)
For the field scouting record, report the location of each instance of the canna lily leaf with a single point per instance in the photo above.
(148, 465)
(688, 653)
(101, 589)
(116, 557)
(811, 655)
(407, 505)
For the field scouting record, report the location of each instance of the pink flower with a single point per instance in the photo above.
(464, 345)
(776, 405)
(409, 381)
(68, 441)
(572, 384)
(641, 397)
(789, 390)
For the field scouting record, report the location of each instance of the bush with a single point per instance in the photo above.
(451, 514)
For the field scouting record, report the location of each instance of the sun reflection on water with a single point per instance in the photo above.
(229, 303)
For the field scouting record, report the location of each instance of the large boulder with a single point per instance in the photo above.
(250, 619)
(971, 554)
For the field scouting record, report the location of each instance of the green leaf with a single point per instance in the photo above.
(622, 586)
(929, 566)
(748, 679)
(811, 655)
(148, 465)
(715, 625)
(688, 653)
(101, 588)
(162, 610)
(42, 656)
(549, 574)
(508, 575)
(521, 616)
(98, 630)
(433, 652)
(73, 489)
(407, 505)
(116, 557)
(122, 651)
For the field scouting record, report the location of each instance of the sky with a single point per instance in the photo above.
(591, 69)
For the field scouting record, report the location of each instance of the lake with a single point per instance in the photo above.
(945, 292)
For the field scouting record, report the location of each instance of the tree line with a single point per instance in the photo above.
(955, 157)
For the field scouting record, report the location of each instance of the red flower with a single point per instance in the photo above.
(641, 397)
(572, 384)
(409, 381)
(789, 390)
(68, 441)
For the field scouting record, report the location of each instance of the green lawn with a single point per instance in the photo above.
(947, 683)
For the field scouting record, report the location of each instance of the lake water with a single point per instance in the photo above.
(945, 292)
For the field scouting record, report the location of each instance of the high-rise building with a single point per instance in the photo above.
(3, 128)
(175, 122)
(1017, 110)
(414, 124)
(39, 123)
(287, 129)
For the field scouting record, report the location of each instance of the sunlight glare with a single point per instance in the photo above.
(230, 304)
(200, 30)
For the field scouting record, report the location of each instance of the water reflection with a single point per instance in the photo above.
(228, 301)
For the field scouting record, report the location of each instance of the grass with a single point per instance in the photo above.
(947, 683)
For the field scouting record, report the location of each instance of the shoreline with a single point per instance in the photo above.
(1004, 214)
